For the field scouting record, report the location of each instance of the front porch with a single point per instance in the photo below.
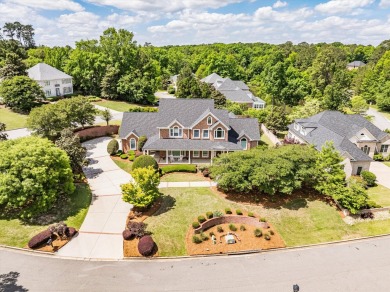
(164, 157)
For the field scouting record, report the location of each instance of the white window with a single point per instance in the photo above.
(48, 92)
(366, 149)
(46, 83)
(384, 148)
(176, 132)
(209, 121)
(196, 154)
(196, 133)
(205, 154)
(133, 144)
(205, 134)
(244, 143)
(219, 133)
(258, 105)
(66, 81)
(67, 90)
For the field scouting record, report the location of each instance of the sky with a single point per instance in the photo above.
(179, 22)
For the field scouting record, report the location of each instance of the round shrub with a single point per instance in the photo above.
(271, 232)
(195, 225)
(113, 147)
(124, 156)
(70, 232)
(209, 215)
(211, 233)
(250, 214)
(146, 246)
(262, 219)
(369, 177)
(267, 237)
(220, 229)
(39, 239)
(238, 212)
(242, 228)
(228, 211)
(232, 227)
(203, 236)
(127, 234)
(131, 157)
(258, 232)
(217, 214)
(378, 157)
(201, 219)
(144, 161)
(196, 239)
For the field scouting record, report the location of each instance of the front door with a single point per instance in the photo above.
(58, 91)
(359, 170)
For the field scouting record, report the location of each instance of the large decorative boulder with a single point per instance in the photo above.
(70, 232)
(146, 246)
(39, 239)
(127, 234)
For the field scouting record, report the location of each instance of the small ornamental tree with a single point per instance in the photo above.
(106, 115)
(144, 161)
(143, 191)
(3, 136)
(34, 174)
(21, 93)
(113, 147)
(141, 142)
(353, 197)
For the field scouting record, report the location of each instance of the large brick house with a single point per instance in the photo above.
(353, 136)
(188, 131)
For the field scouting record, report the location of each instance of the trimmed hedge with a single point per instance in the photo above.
(39, 239)
(144, 161)
(124, 156)
(113, 147)
(146, 245)
(179, 168)
(209, 215)
(195, 225)
(146, 109)
(368, 177)
(201, 219)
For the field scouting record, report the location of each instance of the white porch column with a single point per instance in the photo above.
(147, 152)
(212, 155)
(143, 152)
(189, 157)
(166, 157)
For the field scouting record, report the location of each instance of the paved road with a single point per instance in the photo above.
(18, 133)
(356, 266)
(379, 120)
(101, 232)
(382, 173)
(163, 94)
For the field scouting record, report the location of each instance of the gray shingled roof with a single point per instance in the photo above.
(236, 95)
(244, 126)
(339, 128)
(356, 64)
(212, 78)
(44, 72)
(240, 84)
(145, 124)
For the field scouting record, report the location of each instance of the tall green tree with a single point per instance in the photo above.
(109, 83)
(13, 66)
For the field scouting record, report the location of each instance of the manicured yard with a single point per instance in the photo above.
(120, 106)
(11, 119)
(266, 140)
(113, 122)
(183, 176)
(299, 222)
(124, 164)
(387, 163)
(13, 232)
(380, 195)
(385, 114)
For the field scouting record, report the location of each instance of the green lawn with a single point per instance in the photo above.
(266, 140)
(182, 176)
(299, 222)
(11, 119)
(113, 122)
(380, 195)
(14, 232)
(124, 164)
(387, 163)
(120, 106)
(384, 113)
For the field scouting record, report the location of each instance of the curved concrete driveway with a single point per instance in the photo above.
(101, 232)
(382, 172)
(362, 265)
(379, 120)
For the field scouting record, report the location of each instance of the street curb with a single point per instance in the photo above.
(243, 253)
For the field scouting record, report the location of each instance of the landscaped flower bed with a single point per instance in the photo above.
(251, 233)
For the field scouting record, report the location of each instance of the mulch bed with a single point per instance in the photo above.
(248, 241)
(130, 247)
(57, 244)
(275, 201)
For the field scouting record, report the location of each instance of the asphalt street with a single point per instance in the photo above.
(362, 265)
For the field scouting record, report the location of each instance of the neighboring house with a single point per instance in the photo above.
(188, 131)
(234, 90)
(353, 136)
(355, 65)
(173, 81)
(53, 81)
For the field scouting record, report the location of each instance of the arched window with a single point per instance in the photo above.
(244, 143)
(133, 144)
(366, 149)
(209, 121)
(176, 132)
(219, 133)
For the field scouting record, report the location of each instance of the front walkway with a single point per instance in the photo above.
(379, 120)
(100, 234)
(382, 172)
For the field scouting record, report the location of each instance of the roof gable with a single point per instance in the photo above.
(43, 72)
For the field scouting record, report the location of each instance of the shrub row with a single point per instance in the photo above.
(144, 161)
(178, 168)
(147, 109)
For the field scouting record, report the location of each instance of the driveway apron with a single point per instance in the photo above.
(382, 173)
(100, 234)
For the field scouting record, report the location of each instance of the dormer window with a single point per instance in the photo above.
(176, 132)
(209, 121)
(219, 133)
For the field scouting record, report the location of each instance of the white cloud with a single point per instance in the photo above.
(279, 4)
(267, 13)
(384, 3)
(49, 4)
(164, 5)
(342, 6)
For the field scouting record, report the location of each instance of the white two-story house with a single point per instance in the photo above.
(53, 81)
